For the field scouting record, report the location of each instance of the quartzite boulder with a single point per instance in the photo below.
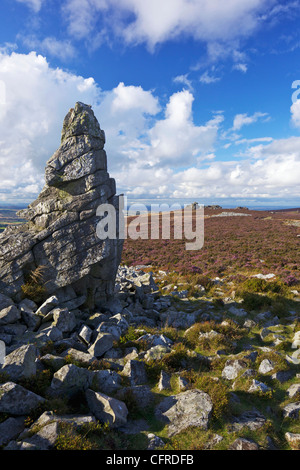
(60, 232)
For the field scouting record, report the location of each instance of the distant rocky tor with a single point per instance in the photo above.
(59, 238)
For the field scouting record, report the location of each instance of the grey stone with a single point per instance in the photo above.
(233, 368)
(50, 333)
(293, 439)
(136, 372)
(257, 386)
(80, 356)
(266, 366)
(164, 381)
(17, 401)
(216, 439)
(106, 381)
(52, 361)
(48, 305)
(20, 363)
(283, 375)
(244, 444)
(111, 328)
(85, 334)
(32, 320)
(182, 383)
(10, 429)
(155, 442)
(251, 419)
(9, 315)
(101, 345)
(107, 409)
(190, 408)
(70, 379)
(155, 340)
(156, 353)
(293, 390)
(27, 305)
(64, 320)
(5, 302)
(292, 410)
(44, 439)
(237, 312)
(73, 304)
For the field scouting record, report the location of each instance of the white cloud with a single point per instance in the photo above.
(62, 49)
(275, 173)
(176, 140)
(241, 67)
(35, 5)
(241, 120)
(153, 21)
(132, 97)
(184, 80)
(251, 141)
(37, 98)
(153, 151)
(141, 140)
(139, 135)
(207, 79)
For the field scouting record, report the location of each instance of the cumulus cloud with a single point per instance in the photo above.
(139, 22)
(35, 99)
(154, 150)
(241, 120)
(140, 134)
(274, 173)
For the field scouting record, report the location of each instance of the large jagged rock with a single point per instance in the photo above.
(60, 232)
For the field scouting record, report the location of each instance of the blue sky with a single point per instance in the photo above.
(195, 96)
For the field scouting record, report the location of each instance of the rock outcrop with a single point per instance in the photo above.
(60, 233)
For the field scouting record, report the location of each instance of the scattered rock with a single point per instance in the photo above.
(155, 442)
(190, 408)
(102, 344)
(164, 381)
(293, 439)
(244, 444)
(9, 315)
(293, 390)
(20, 363)
(233, 368)
(292, 410)
(251, 419)
(257, 386)
(266, 366)
(70, 379)
(15, 400)
(136, 372)
(107, 409)
(10, 429)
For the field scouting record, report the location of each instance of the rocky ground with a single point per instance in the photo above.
(156, 368)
